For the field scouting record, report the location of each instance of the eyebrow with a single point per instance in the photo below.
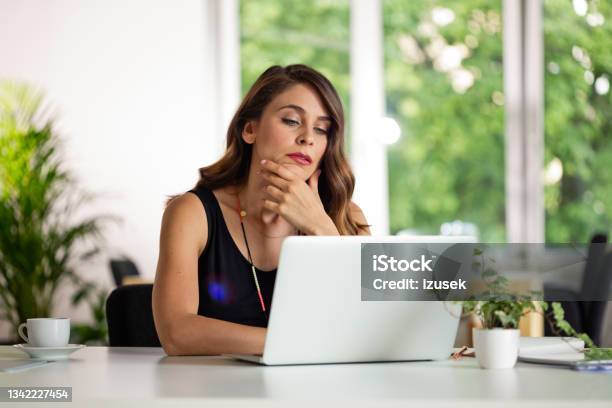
(301, 110)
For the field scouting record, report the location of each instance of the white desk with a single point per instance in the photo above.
(101, 376)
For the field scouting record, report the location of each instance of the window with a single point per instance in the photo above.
(577, 119)
(444, 85)
(315, 33)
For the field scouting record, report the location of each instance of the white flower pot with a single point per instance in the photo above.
(496, 348)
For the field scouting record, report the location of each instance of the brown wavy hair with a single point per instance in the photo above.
(336, 182)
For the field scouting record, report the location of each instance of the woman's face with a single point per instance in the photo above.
(292, 131)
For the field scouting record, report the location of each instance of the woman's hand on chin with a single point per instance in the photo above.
(295, 200)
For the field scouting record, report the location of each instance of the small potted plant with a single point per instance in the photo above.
(496, 343)
(496, 336)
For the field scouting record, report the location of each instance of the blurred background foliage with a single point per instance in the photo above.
(578, 119)
(444, 86)
(42, 244)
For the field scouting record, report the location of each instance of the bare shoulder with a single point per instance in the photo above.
(356, 210)
(185, 218)
(185, 206)
(359, 216)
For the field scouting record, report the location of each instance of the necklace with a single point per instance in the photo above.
(242, 214)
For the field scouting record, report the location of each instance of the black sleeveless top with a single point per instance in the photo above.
(226, 285)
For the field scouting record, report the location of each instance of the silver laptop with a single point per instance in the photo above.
(317, 315)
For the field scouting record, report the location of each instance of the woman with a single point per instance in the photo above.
(283, 173)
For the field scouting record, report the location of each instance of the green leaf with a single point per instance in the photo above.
(40, 244)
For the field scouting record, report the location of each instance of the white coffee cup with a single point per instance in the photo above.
(46, 331)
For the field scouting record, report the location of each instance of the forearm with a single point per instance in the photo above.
(199, 335)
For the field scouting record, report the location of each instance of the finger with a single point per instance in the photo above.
(281, 183)
(276, 168)
(274, 192)
(272, 206)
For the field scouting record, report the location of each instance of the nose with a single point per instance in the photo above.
(306, 138)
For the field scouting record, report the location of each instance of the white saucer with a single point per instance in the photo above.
(49, 353)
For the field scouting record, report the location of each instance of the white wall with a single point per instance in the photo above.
(134, 90)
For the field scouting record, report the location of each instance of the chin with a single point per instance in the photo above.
(299, 169)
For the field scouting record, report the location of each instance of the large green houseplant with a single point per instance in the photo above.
(41, 244)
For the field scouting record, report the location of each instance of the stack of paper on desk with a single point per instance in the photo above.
(537, 346)
(559, 351)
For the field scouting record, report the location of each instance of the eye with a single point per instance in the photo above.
(322, 131)
(291, 122)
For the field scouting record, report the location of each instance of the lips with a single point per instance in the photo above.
(300, 158)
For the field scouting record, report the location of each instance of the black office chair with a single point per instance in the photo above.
(130, 317)
(121, 268)
(584, 315)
